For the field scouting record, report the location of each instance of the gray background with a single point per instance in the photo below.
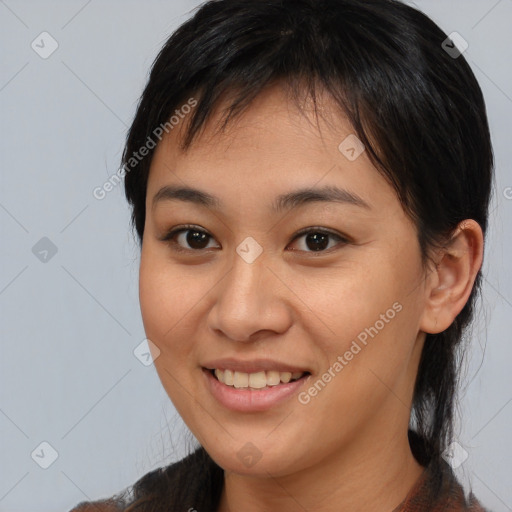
(70, 324)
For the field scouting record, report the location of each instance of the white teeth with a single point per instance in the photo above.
(273, 378)
(256, 380)
(229, 377)
(241, 380)
(286, 377)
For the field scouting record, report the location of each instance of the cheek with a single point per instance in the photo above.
(174, 302)
(168, 303)
(163, 302)
(369, 305)
(350, 299)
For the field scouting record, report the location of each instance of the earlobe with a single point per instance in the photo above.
(451, 281)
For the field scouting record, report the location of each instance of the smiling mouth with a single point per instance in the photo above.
(257, 380)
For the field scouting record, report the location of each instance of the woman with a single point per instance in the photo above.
(310, 183)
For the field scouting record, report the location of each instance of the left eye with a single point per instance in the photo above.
(316, 240)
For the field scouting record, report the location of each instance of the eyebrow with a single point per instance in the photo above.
(284, 202)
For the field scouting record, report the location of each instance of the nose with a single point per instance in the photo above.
(250, 302)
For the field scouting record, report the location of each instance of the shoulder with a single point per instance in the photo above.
(453, 497)
(456, 498)
(194, 479)
(98, 506)
(459, 502)
(438, 489)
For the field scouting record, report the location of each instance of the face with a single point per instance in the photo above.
(249, 275)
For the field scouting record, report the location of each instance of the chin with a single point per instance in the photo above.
(248, 460)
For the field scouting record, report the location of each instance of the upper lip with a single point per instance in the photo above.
(252, 366)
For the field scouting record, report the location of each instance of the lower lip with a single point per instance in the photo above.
(251, 400)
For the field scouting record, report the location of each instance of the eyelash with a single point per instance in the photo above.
(168, 238)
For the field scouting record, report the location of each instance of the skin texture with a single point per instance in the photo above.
(349, 444)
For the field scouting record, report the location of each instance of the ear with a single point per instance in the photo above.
(449, 284)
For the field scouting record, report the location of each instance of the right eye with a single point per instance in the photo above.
(195, 238)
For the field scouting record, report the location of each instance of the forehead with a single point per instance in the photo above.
(269, 149)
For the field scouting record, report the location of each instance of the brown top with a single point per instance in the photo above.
(451, 498)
